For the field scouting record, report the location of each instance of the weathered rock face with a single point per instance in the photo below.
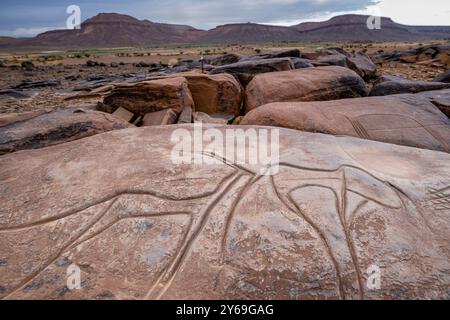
(228, 58)
(293, 53)
(37, 84)
(358, 62)
(311, 84)
(185, 116)
(362, 65)
(188, 65)
(140, 227)
(9, 118)
(333, 60)
(246, 70)
(39, 130)
(443, 77)
(395, 85)
(440, 98)
(28, 65)
(218, 93)
(160, 118)
(150, 96)
(421, 53)
(12, 93)
(300, 63)
(408, 120)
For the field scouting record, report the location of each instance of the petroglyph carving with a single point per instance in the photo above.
(220, 230)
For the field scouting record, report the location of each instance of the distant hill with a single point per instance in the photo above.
(354, 27)
(115, 30)
(111, 29)
(247, 33)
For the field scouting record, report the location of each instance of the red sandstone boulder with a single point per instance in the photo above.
(152, 95)
(216, 93)
(310, 84)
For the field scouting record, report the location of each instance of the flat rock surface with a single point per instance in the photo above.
(395, 85)
(141, 227)
(409, 120)
(310, 84)
(440, 98)
(40, 129)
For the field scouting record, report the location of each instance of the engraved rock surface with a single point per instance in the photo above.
(409, 120)
(140, 227)
(310, 84)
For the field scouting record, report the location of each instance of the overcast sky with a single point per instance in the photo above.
(27, 18)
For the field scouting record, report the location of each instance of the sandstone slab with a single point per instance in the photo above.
(401, 119)
(362, 65)
(152, 95)
(310, 84)
(225, 59)
(185, 116)
(246, 70)
(216, 93)
(39, 130)
(443, 77)
(201, 117)
(123, 114)
(300, 63)
(159, 118)
(141, 227)
(440, 98)
(388, 85)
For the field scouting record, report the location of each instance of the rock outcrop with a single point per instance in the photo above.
(388, 85)
(408, 120)
(431, 53)
(362, 65)
(246, 70)
(443, 77)
(440, 98)
(160, 118)
(216, 93)
(300, 63)
(140, 227)
(311, 84)
(39, 130)
(150, 96)
(225, 59)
